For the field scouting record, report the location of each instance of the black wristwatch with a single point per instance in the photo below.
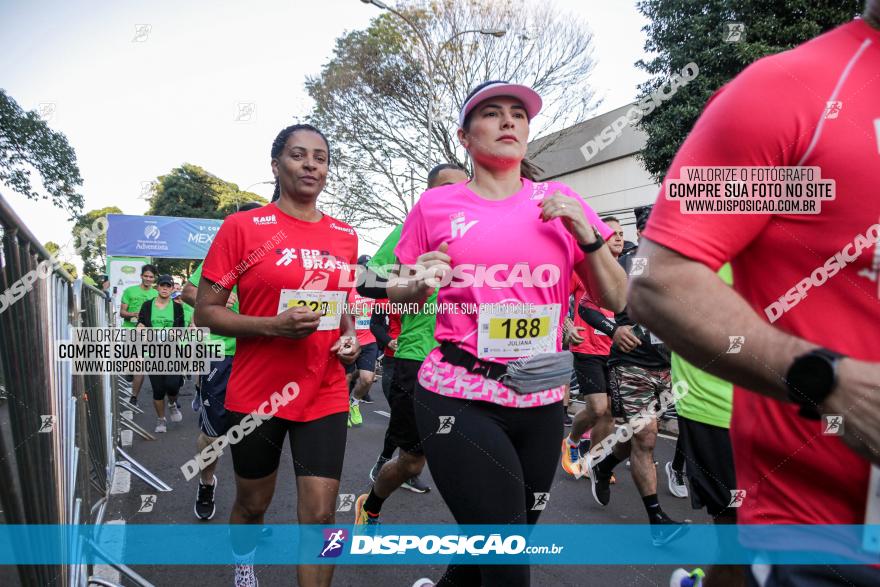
(593, 247)
(811, 379)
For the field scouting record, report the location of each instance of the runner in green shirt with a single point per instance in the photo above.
(163, 312)
(415, 341)
(133, 297)
(130, 305)
(416, 338)
(704, 438)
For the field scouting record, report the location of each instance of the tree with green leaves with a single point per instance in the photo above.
(190, 191)
(708, 33)
(55, 251)
(91, 242)
(374, 95)
(27, 144)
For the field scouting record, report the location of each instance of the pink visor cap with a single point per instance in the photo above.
(529, 97)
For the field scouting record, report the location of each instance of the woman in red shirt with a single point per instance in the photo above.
(289, 261)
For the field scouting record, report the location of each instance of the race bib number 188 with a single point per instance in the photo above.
(517, 330)
(328, 303)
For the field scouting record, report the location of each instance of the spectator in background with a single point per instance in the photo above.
(130, 306)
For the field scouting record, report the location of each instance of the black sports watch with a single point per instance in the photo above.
(595, 246)
(811, 378)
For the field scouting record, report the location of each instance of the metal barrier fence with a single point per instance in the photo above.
(58, 431)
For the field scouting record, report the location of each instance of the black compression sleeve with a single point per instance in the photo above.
(379, 328)
(597, 320)
(377, 291)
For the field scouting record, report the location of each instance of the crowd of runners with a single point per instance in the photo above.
(677, 323)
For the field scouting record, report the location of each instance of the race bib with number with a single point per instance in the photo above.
(327, 303)
(362, 323)
(514, 331)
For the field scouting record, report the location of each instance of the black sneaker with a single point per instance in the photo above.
(367, 399)
(374, 472)
(599, 483)
(133, 400)
(415, 485)
(204, 507)
(664, 529)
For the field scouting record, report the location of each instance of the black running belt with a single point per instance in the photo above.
(455, 355)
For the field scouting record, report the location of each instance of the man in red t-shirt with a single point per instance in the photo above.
(362, 372)
(797, 334)
(591, 364)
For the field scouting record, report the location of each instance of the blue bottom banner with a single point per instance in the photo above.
(629, 544)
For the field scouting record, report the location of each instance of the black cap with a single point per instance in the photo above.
(364, 259)
(165, 279)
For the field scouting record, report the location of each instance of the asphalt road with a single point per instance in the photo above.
(570, 502)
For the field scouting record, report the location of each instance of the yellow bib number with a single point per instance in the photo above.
(519, 328)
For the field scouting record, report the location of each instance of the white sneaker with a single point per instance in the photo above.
(424, 582)
(174, 413)
(677, 486)
(161, 427)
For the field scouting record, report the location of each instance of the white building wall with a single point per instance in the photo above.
(612, 186)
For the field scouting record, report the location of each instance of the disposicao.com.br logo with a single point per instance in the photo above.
(449, 544)
(334, 542)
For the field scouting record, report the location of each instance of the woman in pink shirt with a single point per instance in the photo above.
(502, 250)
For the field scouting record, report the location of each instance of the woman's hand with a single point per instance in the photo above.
(347, 348)
(570, 211)
(433, 268)
(296, 322)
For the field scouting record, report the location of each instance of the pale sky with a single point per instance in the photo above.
(137, 102)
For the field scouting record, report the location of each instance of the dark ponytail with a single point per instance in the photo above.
(529, 170)
(281, 140)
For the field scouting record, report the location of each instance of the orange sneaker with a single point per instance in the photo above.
(571, 458)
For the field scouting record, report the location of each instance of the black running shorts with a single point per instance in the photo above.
(165, 385)
(318, 446)
(591, 372)
(366, 361)
(210, 397)
(709, 465)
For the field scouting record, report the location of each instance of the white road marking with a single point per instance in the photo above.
(107, 572)
(381, 413)
(125, 437)
(121, 481)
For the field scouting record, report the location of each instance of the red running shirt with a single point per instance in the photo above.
(595, 342)
(265, 251)
(773, 113)
(393, 331)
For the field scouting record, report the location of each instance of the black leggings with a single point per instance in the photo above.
(489, 468)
